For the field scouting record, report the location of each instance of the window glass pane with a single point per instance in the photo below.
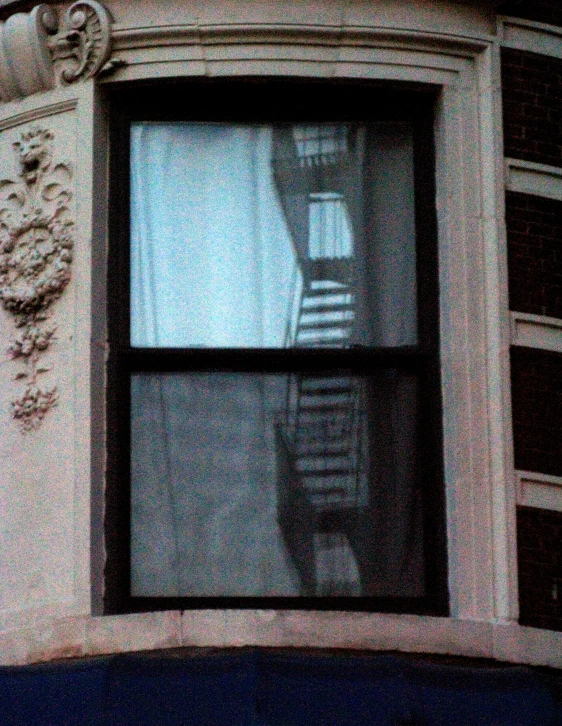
(272, 236)
(275, 485)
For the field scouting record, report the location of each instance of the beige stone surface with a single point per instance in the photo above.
(367, 631)
(124, 633)
(439, 15)
(46, 479)
(45, 475)
(37, 468)
(74, 637)
(531, 646)
(48, 640)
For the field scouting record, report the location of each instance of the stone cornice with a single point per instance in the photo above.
(127, 38)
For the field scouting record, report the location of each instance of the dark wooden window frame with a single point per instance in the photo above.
(266, 101)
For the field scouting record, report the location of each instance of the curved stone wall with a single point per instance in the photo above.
(51, 549)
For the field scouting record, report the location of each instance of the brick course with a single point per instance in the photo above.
(534, 238)
(536, 380)
(539, 540)
(532, 106)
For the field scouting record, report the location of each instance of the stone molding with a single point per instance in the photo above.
(39, 51)
(542, 491)
(536, 331)
(130, 37)
(530, 36)
(528, 177)
(80, 636)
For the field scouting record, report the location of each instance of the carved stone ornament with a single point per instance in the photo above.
(84, 43)
(37, 50)
(36, 243)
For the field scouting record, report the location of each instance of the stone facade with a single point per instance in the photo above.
(52, 480)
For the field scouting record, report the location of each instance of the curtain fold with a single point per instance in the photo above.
(203, 495)
(211, 258)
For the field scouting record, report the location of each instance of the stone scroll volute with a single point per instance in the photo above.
(36, 252)
(44, 48)
(82, 46)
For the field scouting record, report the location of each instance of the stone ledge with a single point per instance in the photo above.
(541, 491)
(527, 177)
(81, 636)
(536, 331)
(530, 36)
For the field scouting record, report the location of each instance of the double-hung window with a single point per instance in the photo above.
(273, 377)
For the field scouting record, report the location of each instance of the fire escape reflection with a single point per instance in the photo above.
(321, 441)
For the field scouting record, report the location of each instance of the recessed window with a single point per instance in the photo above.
(274, 383)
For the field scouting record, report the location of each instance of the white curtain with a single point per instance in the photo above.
(213, 265)
(204, 517)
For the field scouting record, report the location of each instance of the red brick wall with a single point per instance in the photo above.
(539, 538)
(534, 237)
(536, 380)
(532, 119)
(532, 106)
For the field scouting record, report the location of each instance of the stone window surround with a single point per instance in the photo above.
(475, 334)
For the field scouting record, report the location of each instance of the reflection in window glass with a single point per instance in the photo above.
(301, 483)
(239, 233)
(330, 233)
(275, 485)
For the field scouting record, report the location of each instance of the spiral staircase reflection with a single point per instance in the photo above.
(320, 441)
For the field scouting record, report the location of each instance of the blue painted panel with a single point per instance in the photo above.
(272, 688)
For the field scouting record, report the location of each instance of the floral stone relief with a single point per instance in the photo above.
(36, 243)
